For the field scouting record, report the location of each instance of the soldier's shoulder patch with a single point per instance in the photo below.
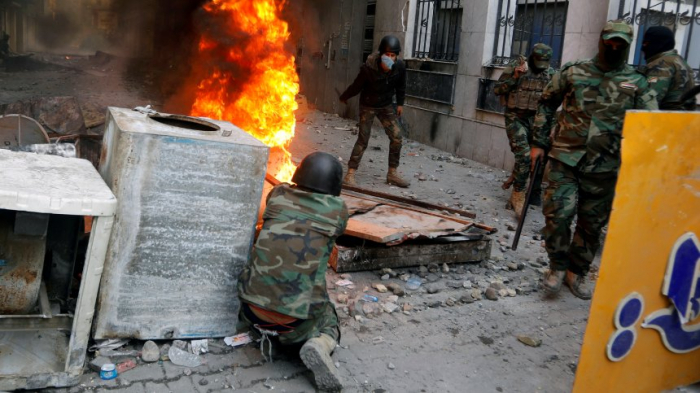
(628, 86)
(653, 79)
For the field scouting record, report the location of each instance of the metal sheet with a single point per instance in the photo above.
(20, 271)
(188, 204)
(20, 130)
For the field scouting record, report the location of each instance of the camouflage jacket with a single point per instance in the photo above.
(286, 272)
(670, 76)
(524, 91)
(594, 103)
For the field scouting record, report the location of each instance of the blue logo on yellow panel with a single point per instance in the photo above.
(674, 324)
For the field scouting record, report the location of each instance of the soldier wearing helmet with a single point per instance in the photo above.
(584, 156)
(520, 87)
(283, 288)
(382, 77)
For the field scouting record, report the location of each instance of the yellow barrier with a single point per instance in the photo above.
(643, 333)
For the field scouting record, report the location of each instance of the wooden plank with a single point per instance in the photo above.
(352, 197)
(409, 201)
(390, 224)
(374, 257)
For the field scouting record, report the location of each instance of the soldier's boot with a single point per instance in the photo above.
(349, 179)
(517, 201)
(393, 178)
(578, 285)
(316, 355)
(553, 280)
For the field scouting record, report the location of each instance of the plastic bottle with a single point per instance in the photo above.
(182, 358)
(370, 298)
(413, 283)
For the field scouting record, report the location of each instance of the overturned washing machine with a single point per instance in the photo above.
(49, 208)
(189, 191)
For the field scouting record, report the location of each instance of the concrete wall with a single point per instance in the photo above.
(460, 128)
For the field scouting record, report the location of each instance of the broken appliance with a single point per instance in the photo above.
(45, 310)
(189, 190)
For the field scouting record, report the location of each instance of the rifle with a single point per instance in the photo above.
(521, 221)
(690, 94)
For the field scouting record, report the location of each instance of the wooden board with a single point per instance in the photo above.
(381, 256)
(391, 224)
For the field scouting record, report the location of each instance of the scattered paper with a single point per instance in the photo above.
(238, 340)
(343, 283)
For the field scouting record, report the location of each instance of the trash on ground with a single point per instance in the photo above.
(238, 340)
(108, 371)
(182, 358)
(343, 283)
(111, 343)
(199, 346)
(529, 341)
(126, 366)
(370, 298)
(413, 283)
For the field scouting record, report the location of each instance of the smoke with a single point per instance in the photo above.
(57, 30)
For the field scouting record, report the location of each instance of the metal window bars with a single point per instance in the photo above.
(438, 27)
(524, 23)
(681, 16)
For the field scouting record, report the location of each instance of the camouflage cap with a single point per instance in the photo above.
(618, 29)
(541, 54)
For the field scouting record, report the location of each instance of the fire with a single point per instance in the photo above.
(262, 102)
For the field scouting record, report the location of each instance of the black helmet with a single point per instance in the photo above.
(319, 172)
(390, 44)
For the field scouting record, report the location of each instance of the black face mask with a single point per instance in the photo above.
(611, 59)
(656, 40)
(614, 57)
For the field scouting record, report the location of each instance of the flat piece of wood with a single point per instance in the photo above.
(377, 256)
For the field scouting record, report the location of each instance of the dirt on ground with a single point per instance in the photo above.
(446, 336)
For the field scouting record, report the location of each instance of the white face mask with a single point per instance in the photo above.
(386, 60)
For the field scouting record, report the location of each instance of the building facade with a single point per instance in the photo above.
(456, 49)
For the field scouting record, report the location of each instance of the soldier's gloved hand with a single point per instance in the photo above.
(535, 154)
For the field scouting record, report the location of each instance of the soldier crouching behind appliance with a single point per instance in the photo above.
(283, 287)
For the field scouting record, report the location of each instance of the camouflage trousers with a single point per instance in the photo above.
(387, 116)
(519, 130)
(326, 323)
(589, 197)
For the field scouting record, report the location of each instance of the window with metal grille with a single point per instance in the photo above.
(368, 38)
(681, 16)
(438, 27)
(523, 23)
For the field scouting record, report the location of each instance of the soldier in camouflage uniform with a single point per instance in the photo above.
(520, 87)
(668, 74)
(585, 153)
(283, 287)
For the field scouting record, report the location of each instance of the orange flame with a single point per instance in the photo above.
(262, 104)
